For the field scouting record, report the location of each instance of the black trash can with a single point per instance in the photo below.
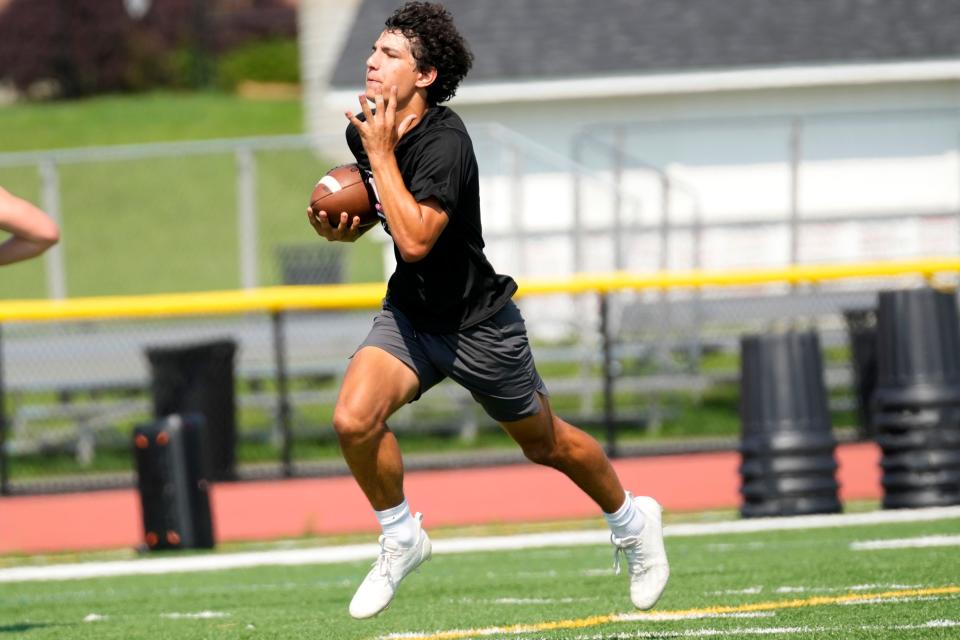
(916, 405)
(787, 443)
(199, 378)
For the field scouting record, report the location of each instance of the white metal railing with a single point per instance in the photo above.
(644, 225)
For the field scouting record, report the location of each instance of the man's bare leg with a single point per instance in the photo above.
(635, 523)
(548, 440)
(375, 386)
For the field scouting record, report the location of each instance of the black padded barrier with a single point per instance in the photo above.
(787, 443)
(916, 405)
(173, 483)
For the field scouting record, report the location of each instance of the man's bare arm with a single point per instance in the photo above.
(32, 231)
(414, 226)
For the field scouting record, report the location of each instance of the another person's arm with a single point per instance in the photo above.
(32, 231)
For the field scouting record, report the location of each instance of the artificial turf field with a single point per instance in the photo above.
(810, 583)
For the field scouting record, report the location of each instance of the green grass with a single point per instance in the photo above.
(531, 587)
(161, 225)
(24, 279)
(140, 118)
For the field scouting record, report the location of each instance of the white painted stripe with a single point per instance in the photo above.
(501, 631)
(895, 600)
(212, 562)
(906, 543)
(351, 553)
(736, 592)
(815, 522)
(537, 600)
(939, 624)
(710, 633)
(690, 615)
(764, 631)
(840, 589)
(703, 632)
(331, 183)
(885, 587)
(200, 615)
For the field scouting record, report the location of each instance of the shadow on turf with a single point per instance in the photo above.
(26, 626)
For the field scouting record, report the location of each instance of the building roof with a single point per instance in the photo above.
(548, 40)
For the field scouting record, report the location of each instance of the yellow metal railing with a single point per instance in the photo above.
(366, 296)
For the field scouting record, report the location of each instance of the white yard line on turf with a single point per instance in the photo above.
(199, 615)
(350, 553)
(906, 543)
(841, 589)
(739, 632)
(716, 611)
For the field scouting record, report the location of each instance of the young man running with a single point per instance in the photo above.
(447, 313)
(31, 230)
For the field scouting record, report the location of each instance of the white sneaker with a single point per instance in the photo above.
(646, 556)
(393, 564)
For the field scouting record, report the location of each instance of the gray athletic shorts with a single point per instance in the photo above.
(491, 359)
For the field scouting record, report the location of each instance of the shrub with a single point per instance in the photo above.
(263, 61)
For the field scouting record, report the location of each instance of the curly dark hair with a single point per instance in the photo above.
(435, 43)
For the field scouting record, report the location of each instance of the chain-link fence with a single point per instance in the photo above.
(627, 365)
(227, 214)
(180, 217)
(76, 389)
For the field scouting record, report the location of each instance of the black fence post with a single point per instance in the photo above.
(283, 394)
(862, 333)
(609, 415)
(4, 469)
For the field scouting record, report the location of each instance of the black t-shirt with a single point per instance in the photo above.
(454, 286)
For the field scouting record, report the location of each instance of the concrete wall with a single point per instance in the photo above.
(323, 26)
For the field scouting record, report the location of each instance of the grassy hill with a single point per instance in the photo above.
(154, 117)
(167, 224)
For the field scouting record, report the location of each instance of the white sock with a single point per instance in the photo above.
(398, 525)
(626, 521)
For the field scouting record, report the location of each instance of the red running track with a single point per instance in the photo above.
(321, 506)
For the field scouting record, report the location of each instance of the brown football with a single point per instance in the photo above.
(343, 189)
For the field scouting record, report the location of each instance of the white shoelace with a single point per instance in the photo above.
(384, 561)
(631, 549)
